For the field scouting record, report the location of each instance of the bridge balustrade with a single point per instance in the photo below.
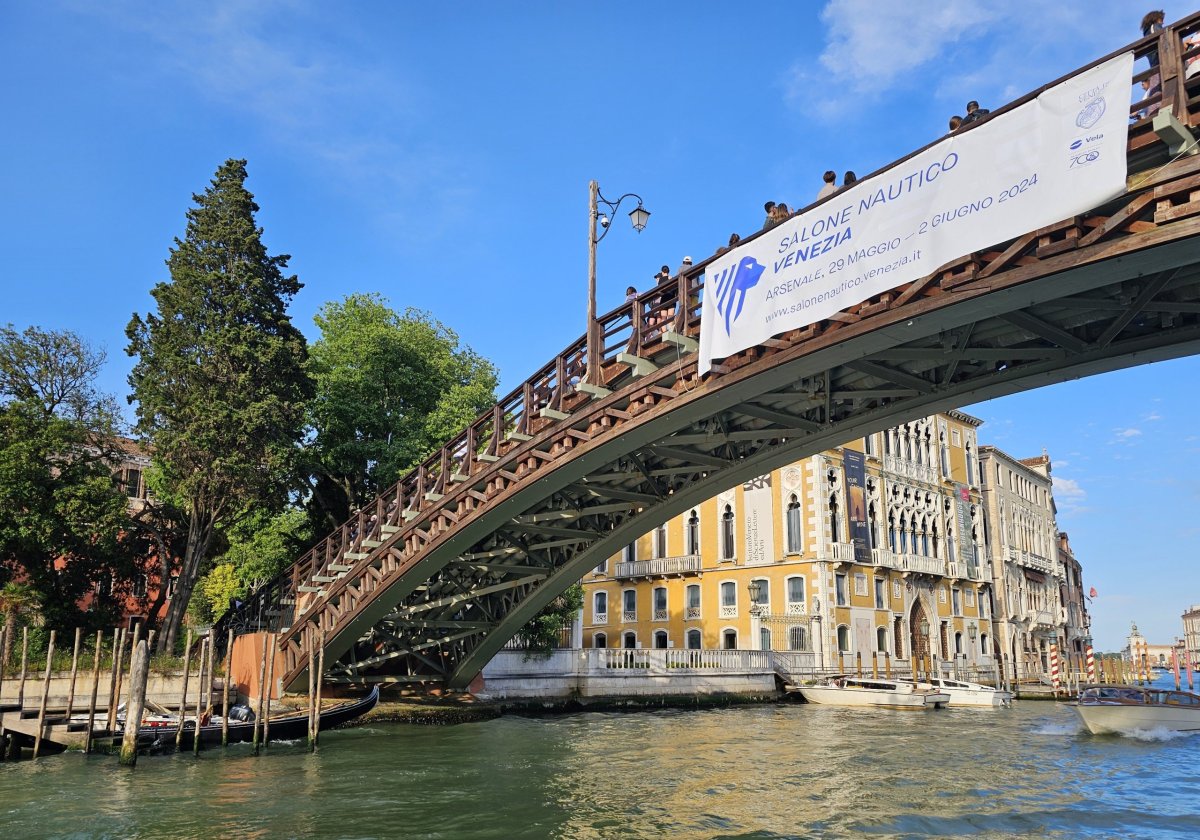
(493, 457)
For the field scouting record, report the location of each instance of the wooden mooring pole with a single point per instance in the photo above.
(139, 673)
(187, 661)
(270, 688)
(24, 664)
(74, 674)
(312, 696)
(225, 691)
(87, 746)
(41, 718)
(262, 684)
(118, 653)
(201, 699)
(320, 674)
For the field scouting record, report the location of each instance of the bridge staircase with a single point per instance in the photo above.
(426, 583)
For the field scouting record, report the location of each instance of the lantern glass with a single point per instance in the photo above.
(639, 216)
(755, 589)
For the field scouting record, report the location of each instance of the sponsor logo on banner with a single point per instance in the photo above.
(1091, 113)
(856, 492)
(1051, 158)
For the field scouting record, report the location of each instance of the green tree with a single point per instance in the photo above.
(219, 379)
(64, 526)
(17, 601)
(390, 389)
(260, 547)
(541, 634)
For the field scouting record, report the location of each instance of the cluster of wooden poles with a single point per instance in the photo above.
(138, 677)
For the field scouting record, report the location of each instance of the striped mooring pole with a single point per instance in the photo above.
(1054, 678)
(1091, 665)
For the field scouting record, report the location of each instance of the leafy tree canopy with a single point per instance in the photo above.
(63, 523)
(390, 389)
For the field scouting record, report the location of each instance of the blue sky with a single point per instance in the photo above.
(441, 156)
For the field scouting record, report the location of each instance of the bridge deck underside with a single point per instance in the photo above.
(447, 585)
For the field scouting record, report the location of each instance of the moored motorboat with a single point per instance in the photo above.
(1123, 709)
(972, 694)
(846, 690)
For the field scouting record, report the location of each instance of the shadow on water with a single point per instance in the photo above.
(765, 771)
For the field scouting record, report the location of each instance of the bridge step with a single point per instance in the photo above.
(410, 515)
(638, 365)
(459, 477)
(325, 578)
(487, 457)
(316, 589)
(355, 555)
(371, 543)
(554, 414)
(686, 344)
(338, 567)
(388, 530)
(520, 437)
(433, 497)
(595, 390)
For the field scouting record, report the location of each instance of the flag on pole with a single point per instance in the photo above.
(1092, 593)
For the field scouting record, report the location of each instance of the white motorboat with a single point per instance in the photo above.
(846, 690)
(1122, 709)
(972, 694)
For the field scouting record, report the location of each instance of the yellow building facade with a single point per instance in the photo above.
(869, 552)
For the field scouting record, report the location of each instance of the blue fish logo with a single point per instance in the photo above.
(1076, 144)
(732, 286)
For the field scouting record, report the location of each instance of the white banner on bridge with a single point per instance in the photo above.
(1052, 158)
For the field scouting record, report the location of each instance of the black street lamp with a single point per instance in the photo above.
(598, 227)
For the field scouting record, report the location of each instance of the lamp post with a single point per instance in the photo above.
(598, 226)
(756, 612)
(816, 617)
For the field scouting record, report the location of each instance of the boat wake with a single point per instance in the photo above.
(1070, 728)
(1158, 734)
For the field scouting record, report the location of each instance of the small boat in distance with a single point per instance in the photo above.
(847, 690)
(1121, 709)
(972, 694)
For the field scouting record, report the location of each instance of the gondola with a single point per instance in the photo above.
(286, 728)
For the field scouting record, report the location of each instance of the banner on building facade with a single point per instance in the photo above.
(856, 496)
(759, 531)
(966, 546)
(1058, 155)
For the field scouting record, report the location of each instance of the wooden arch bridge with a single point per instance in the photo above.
(431, 579)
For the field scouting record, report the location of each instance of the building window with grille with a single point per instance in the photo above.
(795, 594)
(880, 594)
(843, 639)
(881, 639)
(600, 608)
(764, 638)
(660, 639)
(629, 641)
(629, 597)
(797, 638)
(660, 603)
(694, 640)
(600, 640)
(840, 590)
(693, 533)
(728, 599)
(794, 523)
(728, 551)
(693, 601)
(729, 640)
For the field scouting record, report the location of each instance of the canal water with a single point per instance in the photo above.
(768, 771)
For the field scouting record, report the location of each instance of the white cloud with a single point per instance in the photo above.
(1152, 416)
(1125, 435)
(872, 48)
(1069, 496)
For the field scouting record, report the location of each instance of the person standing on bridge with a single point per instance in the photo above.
(974, 113)
(849, 178)
(769, 208)
(955, 123)
(1152, 24)
(830, 187)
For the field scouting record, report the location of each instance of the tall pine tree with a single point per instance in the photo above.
(219, 379)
